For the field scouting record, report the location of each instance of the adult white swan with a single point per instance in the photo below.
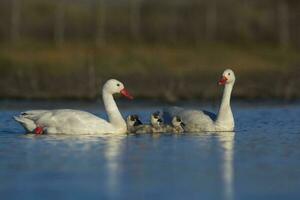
(67, 121)
(197, 121)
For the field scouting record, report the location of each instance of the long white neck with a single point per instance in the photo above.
(113, 113)
(225, 120)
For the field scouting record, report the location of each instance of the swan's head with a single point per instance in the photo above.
(156, 119)
(227, 77)
(133, 120)
(177, 122)
(114, 86)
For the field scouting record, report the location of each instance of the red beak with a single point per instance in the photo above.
(223, 80)
(126, 94)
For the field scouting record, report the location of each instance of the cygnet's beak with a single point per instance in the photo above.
(223, 80)
(182, 124)
(126, 94)
(137, 122)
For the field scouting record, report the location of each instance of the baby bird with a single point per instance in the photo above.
(133, 122)
(157, 123)
(177, 125)
(134, 125)
(153, 127)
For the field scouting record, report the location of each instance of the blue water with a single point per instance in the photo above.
(261, 160)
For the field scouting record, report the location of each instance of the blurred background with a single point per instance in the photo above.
(161, 49)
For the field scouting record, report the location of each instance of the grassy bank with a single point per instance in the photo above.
(150, 71)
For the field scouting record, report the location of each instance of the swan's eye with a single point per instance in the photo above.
(228, 74)
(118, 84)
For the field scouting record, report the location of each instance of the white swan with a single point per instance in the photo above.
(197, 121)
(67, 121)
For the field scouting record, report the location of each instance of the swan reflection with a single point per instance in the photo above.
(226, 140)
(114, 147)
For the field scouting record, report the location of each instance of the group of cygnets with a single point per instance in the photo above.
(134, 125)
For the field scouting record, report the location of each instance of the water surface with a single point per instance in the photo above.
(261, 160)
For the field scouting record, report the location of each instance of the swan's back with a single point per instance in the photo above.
(68, 121)
(196, 121)
(75, 121)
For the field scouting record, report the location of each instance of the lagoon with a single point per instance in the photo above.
(260, 160)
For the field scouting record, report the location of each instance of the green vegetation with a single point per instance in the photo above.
(154, 71)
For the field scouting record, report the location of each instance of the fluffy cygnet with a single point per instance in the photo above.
(134, 125)
(157, 123)
(177, 125)
(133, 122)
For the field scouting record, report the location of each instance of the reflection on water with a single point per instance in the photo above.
(227, 145)
(112, 152)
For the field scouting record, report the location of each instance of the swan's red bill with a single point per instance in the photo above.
(223, 80)
(125, 93)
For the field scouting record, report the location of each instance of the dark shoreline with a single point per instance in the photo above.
(23, 104)
(164, 89)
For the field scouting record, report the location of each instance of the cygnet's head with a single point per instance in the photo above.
(133, 120)
(113, 86)
(227, 77)
(156, 119)
(176, 122)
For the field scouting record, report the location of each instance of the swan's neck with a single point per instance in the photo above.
(225, 119)
(113, 113)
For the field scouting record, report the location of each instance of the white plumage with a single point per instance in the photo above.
(67, 121)
(199, 121)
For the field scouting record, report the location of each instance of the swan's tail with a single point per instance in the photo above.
(28, 124)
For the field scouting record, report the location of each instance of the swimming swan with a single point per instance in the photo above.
(67, 121)
(198, 121)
